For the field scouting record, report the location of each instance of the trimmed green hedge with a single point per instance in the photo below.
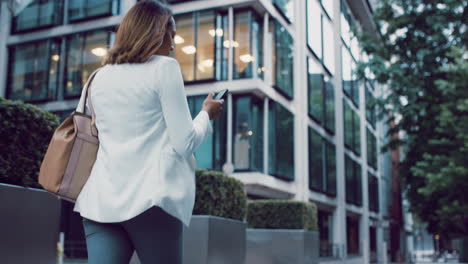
(219, 195)
(25, 133)
(282, 214)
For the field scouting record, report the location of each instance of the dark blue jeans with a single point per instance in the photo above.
(155, 235)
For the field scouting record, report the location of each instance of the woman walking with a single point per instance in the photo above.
(141, 190)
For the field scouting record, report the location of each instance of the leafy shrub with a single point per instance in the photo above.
(282, 214)
(219, 195)
(25, 133)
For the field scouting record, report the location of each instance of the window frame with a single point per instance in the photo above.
(11, 52)
(260, 103)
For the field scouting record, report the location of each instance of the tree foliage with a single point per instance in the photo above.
(419, 55)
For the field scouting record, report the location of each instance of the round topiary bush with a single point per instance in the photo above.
(25, 133)
(219, 195)
(282, 214)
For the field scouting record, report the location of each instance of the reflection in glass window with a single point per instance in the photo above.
(248, 133)
(286, 7)
(348, 125)
(349, 76)
(82, 9)
(283, 60)
(352, 235)
(330, 167)
(247, 45)
(314, 27)
(316, 90)
(34, 71)
(316, 170)
(280, 142)
(373, 193)
(329, 104)
(328, 46)
(38, 14)
(322, 160)
(195, 44)
(85, 53)
(371, 149)
(353, 181)
(370, 106)
(212, 152)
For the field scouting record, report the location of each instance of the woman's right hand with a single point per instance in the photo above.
(213, 107)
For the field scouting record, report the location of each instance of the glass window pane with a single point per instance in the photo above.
(329, 104)
(212, 152)
(346, 71)
(222, 46)
(205, 46)
(315, 161)
(37, 14)
(85, 53)
(243, 57)
(284, 60)
(348, 124)
(33, 71)
(81, 9)
(354, 84)
(328, 46)
(331, 168)
(286, 7)
(248, 134)
(314, 27)
(316, 89)
(358, 186)
(349, 176)
(325, 226)
(185, 45)
(345, 24)
(357, 133)
(281, 137)
(352, 235)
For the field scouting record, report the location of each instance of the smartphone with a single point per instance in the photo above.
(221, 95)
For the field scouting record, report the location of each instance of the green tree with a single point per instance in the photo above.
(419, 55)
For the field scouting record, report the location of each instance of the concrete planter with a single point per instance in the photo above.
(29, 225)
(212, 240)
(288, 246)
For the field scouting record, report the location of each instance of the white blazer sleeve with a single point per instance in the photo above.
(185, 135)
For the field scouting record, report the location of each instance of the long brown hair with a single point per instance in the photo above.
(141, 33)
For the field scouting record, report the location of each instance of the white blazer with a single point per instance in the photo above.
(146, 143)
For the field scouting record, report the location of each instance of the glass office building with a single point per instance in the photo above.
(298, 123)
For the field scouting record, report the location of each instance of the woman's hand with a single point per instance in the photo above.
(213, 107)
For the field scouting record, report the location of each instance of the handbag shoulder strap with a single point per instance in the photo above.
(87, 93)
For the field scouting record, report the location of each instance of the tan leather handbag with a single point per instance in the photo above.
(72, 152)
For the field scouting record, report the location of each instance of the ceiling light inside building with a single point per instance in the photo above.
(100, 52)
(178, 39)
(55, 57)
(218, 32)
(189, 49)
(227, 44)
(246, 58)
(207, 63)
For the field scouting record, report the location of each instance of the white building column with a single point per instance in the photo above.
(339, 215)
(300, 103)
